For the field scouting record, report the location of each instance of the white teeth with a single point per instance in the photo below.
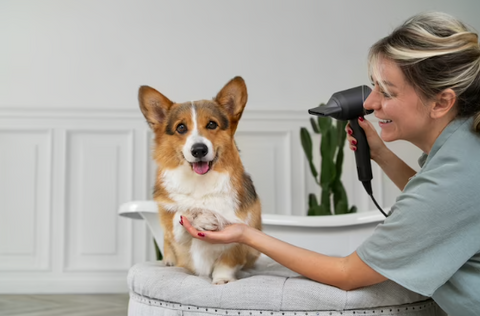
(385, 121)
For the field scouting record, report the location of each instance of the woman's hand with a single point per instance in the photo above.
(230, 234)
(376, 144)
(395, 168)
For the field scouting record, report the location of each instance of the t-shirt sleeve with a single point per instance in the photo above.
(433, 229)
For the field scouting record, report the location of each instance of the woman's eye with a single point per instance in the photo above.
(181, 129)
(212, 125)
(386, 94)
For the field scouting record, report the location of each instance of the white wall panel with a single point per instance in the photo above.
(99, 179)
(265, 156)
(25, 189)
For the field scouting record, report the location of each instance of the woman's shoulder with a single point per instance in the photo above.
(456, 150)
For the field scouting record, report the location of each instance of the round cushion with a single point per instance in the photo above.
(267, 289)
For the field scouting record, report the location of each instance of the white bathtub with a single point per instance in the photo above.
(337, 235)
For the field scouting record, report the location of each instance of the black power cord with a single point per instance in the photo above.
(368, 187)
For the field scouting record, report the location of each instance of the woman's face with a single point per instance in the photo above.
(401, 113)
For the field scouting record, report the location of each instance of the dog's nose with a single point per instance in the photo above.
(199, 150)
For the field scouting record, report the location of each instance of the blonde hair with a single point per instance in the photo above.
(435, 51)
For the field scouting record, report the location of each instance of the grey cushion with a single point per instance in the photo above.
(269, 287)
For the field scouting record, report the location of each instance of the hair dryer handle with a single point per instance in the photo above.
(362, 154)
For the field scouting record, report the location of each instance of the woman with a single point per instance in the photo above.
(426, 78)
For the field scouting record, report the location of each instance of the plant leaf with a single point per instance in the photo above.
(325, 197)
(314, 125)
(341, 133)
(328, 171)
(324, 122)
(339, 193)
(341, 207)
(306, 141)
(319, 210)
(333, 142)
(312, 200)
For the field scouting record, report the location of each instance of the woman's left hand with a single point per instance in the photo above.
(230, 234)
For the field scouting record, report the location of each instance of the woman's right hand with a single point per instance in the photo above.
(375, 143)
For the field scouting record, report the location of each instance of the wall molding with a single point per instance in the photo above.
(135, 114)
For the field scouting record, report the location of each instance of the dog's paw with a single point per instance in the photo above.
(169, 260)
(220, 281)
(205, 221)
(223, 274)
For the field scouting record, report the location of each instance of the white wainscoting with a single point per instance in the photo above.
(25, 196)
(63, 174)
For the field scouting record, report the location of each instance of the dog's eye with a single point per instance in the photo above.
(181, 129)
(212, 125)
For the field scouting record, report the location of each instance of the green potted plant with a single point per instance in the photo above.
(333, 197)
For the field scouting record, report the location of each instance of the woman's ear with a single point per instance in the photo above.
(444, 103)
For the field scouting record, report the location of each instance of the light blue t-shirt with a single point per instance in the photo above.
(430, 243)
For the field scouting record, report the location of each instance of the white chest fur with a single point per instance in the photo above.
(212, 191)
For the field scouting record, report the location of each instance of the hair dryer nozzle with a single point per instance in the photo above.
(325, 110)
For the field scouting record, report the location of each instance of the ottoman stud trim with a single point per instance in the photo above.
(411, 308)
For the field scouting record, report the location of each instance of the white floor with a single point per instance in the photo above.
(60, 305)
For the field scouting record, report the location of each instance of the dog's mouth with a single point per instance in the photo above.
(201, 167)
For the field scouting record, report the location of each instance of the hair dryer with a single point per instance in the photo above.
(347, 105)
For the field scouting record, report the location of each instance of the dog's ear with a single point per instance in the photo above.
(154, 105)
(233, 97)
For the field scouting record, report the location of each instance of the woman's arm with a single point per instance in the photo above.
(346, 273)
(394, 167)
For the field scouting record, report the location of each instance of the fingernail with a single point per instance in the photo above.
(354, 142)
(201, 234)
(355, 149)
(361, 118)
(350, 132)
(181, 220)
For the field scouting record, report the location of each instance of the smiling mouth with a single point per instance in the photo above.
(201, 167)
(385, 121)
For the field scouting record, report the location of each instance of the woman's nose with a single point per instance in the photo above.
(373, 101)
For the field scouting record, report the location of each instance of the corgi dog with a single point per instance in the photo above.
(200, 176)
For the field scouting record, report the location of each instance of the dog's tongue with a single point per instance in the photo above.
(200, 167)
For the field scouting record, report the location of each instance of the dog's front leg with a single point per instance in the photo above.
(228, 264)
(168, 253)
(167, 220)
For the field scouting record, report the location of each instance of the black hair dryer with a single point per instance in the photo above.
(347, 105)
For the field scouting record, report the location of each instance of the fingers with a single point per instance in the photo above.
(366, 125)
(190, 229)
(352, 142)
(213, 237)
